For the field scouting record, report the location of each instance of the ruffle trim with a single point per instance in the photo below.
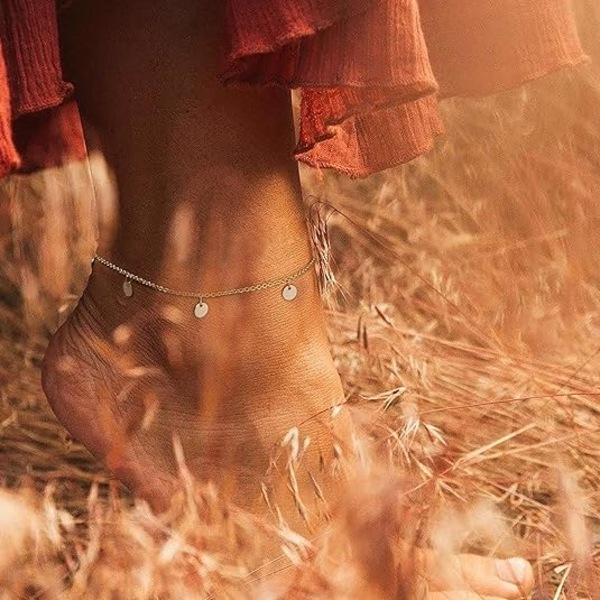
(39, 122)
(371, 76)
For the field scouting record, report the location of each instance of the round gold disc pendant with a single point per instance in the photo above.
(200, 310)
(128, 288)
(289, 292)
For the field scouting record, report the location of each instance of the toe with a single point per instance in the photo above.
(507, 579)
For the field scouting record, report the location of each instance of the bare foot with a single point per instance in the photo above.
(469, 577)
(126, 374)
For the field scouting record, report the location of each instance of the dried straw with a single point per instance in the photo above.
(466, 334)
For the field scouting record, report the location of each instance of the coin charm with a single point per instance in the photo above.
(128, 288)
(289, 292)
(201, 309)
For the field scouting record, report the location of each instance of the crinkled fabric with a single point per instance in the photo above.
(371, 72)
(39, 123)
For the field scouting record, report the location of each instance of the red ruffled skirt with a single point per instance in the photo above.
(371, 71)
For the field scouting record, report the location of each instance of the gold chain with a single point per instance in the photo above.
(265, 285)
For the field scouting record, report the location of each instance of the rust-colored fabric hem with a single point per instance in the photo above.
(371, 81)
(371, 71)
(39, 122)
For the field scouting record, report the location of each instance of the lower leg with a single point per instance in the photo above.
(209, 199)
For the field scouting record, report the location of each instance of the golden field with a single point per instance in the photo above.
(465, 323)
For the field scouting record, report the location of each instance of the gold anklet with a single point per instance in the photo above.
(288, 292)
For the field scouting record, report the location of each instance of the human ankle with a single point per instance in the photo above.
(226, 216)
(228, 261)
(259, 322)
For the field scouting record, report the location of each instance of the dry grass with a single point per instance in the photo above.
(469, 316)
